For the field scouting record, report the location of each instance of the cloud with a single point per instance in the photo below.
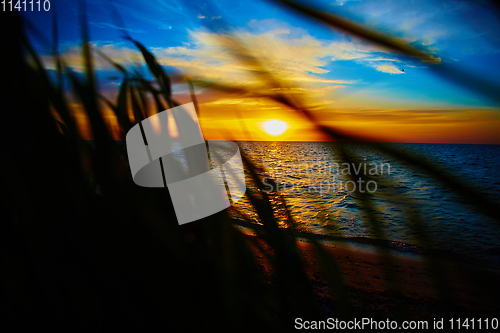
(383, 59)
(213, 56)
(118, 52)
(239, 101)
(388, 68)
(457, 26)
(163, 26)
(108, 25)
(342, 2)
(297, 58)
(413, 116)
(158, 13)
(292, 55)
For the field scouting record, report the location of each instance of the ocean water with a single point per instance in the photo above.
(318, 188)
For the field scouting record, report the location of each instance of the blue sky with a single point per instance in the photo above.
(337, 70)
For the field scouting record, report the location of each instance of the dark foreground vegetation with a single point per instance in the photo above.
(84, 248)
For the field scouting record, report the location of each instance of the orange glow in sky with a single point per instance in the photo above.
(272, 122)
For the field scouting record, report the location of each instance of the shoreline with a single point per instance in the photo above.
(397, 248)
(399, 283)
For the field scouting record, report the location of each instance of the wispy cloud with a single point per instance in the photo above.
(407, 125)
(120, 52)
(342, 2)
(158, 13)
(388, 68)
(291, 55)
(458, 26)
(105, 25)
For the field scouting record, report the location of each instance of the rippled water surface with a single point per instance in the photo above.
(318, 191)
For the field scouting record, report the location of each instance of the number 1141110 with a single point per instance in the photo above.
(26, 6)
(474, 323)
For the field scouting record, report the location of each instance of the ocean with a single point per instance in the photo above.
(318, 188)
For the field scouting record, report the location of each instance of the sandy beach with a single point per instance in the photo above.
(400, 285)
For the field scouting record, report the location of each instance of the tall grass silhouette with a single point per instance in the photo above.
(87, 249)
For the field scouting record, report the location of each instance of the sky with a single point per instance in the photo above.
(348, 83)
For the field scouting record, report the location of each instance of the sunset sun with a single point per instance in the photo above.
(275, 127)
